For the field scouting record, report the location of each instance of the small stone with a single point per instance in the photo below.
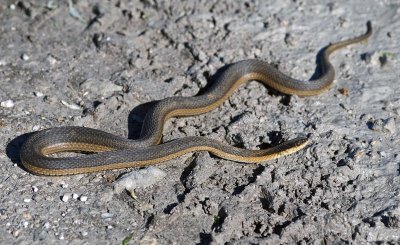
(25, 57)
(383, 125)
(64, 185)
(96, 179)
(38, 94)
(27, 200)
(83, 198)
(46, 225)
(389, 125)
(34, 189)
(52, 61)
(256, 52)
(16, 233)
(12, 6)
(2, 62)
(290, 40)
(101, 87)
(137, 179)
(65, 197)
(393, 219)
(35, 127)
(202, 56)
(25, 224)
(376, 125)
(26, 215)
(61, 237)
(344, 91)
(384, 60)
(107, 216)
(84, 233)
(75, 196)
(7, 104)
(71, 106)
(382, 154)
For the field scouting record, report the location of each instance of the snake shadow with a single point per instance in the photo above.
(13, 148)
(318, 61)
(136, 117)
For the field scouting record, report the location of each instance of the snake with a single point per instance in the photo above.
(105, 151)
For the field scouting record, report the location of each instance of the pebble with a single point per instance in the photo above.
(27, 200)
(96, 179)
(289, 39)
(25, 57)
(65, 197)
(38, 94)
(71, 106)
(2, 62)
(75, 196)
(25, 224)
(102, 87)
(107, 216)
(7, 104)
(26, 215)
(16, 233)
(141, 178)
(64, 185)
(83, 198)
(12, 6)
(46, 225)
(383, 125)
(389, 125)
(51, 60)
(382, 154)
(34, 189)
(344, 91)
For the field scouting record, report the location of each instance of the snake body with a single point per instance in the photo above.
(112, 152)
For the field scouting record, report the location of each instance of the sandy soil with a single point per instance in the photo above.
(92, 63)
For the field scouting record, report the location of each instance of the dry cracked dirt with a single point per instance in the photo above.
(98, 63)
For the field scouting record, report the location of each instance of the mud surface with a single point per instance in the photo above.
(92, 63)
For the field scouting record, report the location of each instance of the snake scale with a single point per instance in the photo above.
(113, 152)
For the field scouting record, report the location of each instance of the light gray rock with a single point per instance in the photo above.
(138, 179)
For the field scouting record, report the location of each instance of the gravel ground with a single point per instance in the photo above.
(93, 63)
